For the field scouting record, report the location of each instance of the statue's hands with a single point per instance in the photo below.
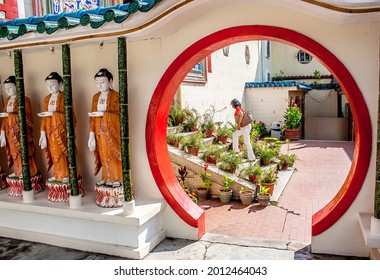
(45, 114)
(43, 140)
(95, 114)
(92, 142)
(3, 140)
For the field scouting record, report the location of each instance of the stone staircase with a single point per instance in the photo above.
(195, 165)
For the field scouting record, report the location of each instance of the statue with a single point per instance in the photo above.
(10, 138)
(53, 139)
(104, 139)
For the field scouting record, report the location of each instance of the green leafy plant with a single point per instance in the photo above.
(268, 176)
(171, 138)
(176, 115)
(182, 171)
(224, 131)
(252, 170)
(205, 177)
(292, 116)
(229, 161)
(191, 121)
(259, 127)
(227, 181)
(264, 191)
(194, 140)
(213, 150)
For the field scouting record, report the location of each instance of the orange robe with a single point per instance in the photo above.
(12, 131)
(107, 133)
(55, 128)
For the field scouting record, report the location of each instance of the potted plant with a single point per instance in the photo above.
(191, 121)
(266, 155)
(208, 128)
(268, 179)
(176, 116)
(292, 121)
(246, 195)
(212, 153)
(193, 143)
(229, 161)
(223, 133)
(286, 160)
(174, 139)
(182, 171)
(253, 172)
(203, 191)
(263, 196)
(225, 194)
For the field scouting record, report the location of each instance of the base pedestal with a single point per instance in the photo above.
(109, 196)
(129, 207)
(60, 192)
(28, 196)
(16, 185)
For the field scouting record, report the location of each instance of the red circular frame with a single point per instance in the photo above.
(164, 93)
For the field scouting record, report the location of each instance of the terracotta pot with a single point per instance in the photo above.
(252, 178)
(212, 159)
(193, 150)
(222, 139)
(208, 133)
(292, 134)
(265, 161)
(270, 186)
(174, 142)
(263, 199)
(284, 166)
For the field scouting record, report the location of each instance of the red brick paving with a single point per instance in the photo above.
(321, 167)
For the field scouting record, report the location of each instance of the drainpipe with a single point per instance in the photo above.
(20, 94)
(128, 206)
(68, 102)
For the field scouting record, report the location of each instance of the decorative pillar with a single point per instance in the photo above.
(124, 126)
(76, 192)
(20, 95)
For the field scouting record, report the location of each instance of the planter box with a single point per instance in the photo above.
(292, 134)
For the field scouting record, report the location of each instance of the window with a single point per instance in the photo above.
(1, 2)
(268, 77)
(198, 74)
(3, 15)
(304, 57)
(268, 50)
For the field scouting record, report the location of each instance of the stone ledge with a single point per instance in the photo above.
(370, 227)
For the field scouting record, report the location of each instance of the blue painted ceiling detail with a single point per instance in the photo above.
(12, 29)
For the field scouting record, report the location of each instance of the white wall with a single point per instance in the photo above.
(267, 104)
(355, 44)
(225, 82)
(284, 58)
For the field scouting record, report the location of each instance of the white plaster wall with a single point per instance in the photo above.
(356, 45)
(285, 59)
(267, 104)
(225, 82)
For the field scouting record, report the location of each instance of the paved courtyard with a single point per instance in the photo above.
(319, 173)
